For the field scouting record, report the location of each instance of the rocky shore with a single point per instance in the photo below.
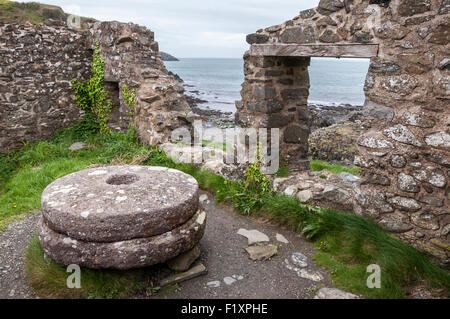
(334, 132)
(334, 128)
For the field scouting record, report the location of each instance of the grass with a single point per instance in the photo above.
(346, 243)
(33, 12)
(318, 166)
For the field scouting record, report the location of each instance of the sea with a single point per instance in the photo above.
(334, 82)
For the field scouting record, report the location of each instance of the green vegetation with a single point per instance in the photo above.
(130, 99)
(33, 12)
(283, 170)
(347, 243)
(318, 166)
(352, 242)
(20, 12)
(216, 145)
(91, 97)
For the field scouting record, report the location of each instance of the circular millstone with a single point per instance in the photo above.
(116, 203)
(122, 255)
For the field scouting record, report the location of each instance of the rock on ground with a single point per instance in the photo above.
(254, 236)
(334, 293)
(262, 252)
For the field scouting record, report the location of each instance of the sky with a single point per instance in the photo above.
(193, 28)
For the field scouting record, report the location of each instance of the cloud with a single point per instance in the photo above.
(193, 28)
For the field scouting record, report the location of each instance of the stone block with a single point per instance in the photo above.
(408, 8)
(329, 6)
(265, 106)
(296, 134)
(299, 35)
(294, 94)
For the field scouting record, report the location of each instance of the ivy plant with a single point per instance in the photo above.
(90, 95)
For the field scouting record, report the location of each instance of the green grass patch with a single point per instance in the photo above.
(217, 145)
(318, 166)
(33, 12)
(283, 170)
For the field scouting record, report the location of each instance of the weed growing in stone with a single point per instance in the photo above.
(90, 95)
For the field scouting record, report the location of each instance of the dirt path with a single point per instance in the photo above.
(13, 243)
(223, 254)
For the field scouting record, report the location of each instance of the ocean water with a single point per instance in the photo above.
(218, 81)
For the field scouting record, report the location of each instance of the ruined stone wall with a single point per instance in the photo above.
(405, 151)
(132, 58)
(37, 63)
(275, 95)
(36, 66)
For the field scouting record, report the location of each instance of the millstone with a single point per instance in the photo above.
(134, 253)
(117, 203)
(120, 217)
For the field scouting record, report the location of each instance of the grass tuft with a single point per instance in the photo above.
(318, 166)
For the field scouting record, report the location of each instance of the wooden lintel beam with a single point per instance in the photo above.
(316, 50)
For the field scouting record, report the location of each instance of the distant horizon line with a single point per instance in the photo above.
(241, 58)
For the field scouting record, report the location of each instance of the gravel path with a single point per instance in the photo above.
(13, 243)
(223, 254)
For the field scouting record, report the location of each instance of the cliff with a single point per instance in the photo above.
(167, 57)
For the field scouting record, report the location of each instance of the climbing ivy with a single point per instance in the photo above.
(130, 99)
(91, 96)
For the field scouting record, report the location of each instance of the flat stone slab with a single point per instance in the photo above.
(334, 293)
(122, 255)
(262, 252)
(185, 260)
(195, 271)
(254, 236)
(117, 203)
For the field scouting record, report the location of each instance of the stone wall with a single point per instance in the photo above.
(37, 63)
(36, 66)
(405, 150)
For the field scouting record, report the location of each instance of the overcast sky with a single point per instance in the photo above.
(193, 28)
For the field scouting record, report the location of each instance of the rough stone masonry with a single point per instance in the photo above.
(37, 63)
(405, 151)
